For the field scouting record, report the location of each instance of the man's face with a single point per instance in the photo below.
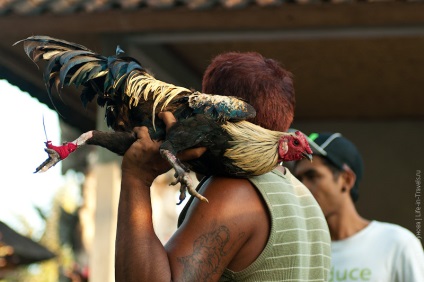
(322, 183)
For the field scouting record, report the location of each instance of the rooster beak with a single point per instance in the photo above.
(307, 156)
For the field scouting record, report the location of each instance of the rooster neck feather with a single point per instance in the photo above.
(141, 85)
(254, 149)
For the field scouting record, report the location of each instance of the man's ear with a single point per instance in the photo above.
(349, 177)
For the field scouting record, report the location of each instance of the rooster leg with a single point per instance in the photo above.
(116, 142)
(54, 152)
(51, 161)
(182, 176)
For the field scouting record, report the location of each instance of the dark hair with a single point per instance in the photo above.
(336, 170)
(260, 81)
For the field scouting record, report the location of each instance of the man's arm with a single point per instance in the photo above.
(135, 237)
(228, 232)
(209, 240)
(140, 255)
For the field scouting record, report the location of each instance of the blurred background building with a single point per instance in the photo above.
(17, 250)
(358, 68)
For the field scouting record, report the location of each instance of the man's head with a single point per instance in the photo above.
(335, 171)
(262, 82)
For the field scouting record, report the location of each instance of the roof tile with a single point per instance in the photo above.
(33, 7)
(231, 4)
(36, 7)
(161, 4)
(65, 6)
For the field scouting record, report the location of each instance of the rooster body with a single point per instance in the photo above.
(133, 97)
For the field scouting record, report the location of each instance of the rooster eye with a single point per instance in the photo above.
(296, 142)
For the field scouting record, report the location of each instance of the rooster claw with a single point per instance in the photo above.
(182, 176)
(186, 186)
(51, 161)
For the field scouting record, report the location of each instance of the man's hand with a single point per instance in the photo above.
(143, 159)
(186, 155)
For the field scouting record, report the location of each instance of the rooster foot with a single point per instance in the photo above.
(183, 187)
(182, 176)
(51, 161)
(184, 179)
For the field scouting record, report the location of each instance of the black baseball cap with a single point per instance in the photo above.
(338, 150)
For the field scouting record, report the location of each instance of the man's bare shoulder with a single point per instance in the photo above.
(230, 200)
(222, 233)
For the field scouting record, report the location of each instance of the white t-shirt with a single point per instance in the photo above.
(380, 252)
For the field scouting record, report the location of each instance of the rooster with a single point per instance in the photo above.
(132, 97)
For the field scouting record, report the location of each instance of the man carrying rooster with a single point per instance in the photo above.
(262, 228)
(260, 223)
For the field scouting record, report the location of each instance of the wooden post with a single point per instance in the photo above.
(106, 178)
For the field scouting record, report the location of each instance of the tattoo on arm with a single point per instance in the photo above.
(208, 251)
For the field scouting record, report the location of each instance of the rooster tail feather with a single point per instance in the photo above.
(64, 59)
(73, 63)
(64, 70)
(121, 77)
(51, 71)
(87, 95)
(81, 75)
(67, 63)
(42, 40)
(118, 68)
